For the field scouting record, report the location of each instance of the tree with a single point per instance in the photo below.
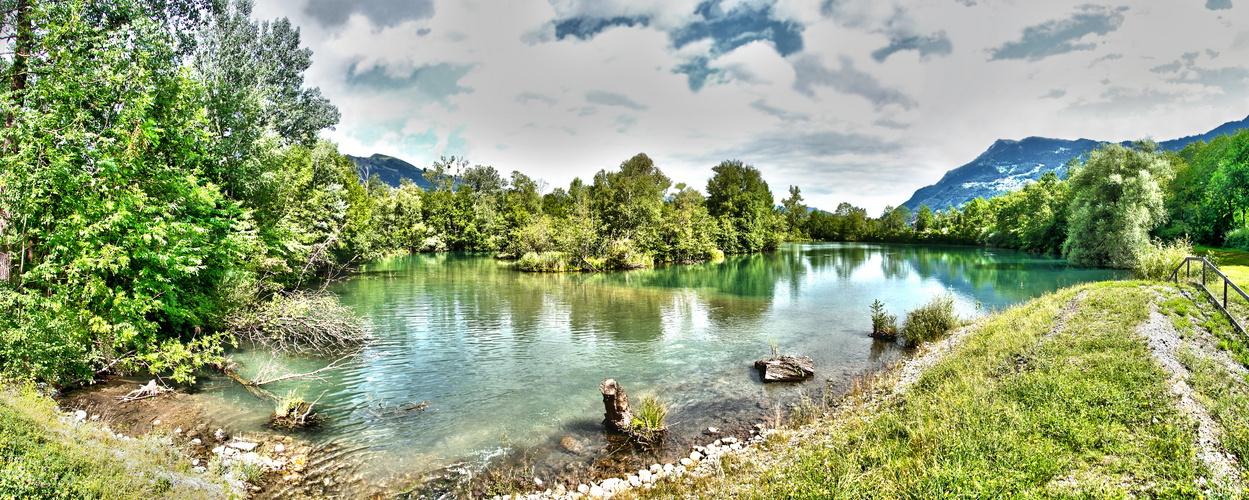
(738, 197)
(924, 220)
(1116, 200)
(795, 213)
(629, 202)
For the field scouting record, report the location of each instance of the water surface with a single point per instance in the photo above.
(509, 360)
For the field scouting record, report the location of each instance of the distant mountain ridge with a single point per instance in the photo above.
(1008, 165)
(390, 170)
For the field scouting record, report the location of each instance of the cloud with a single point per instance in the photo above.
(1218, 4)
(584, 28)
(784, 115)
(809, 71)
(1061, 36)
(739, 26)
(527, 97)
(383, 13)
(933, 44)
(435, 82)
(1107, 57)
(697, 71)
(1055, 94)
(612, 99)
(1167, 68)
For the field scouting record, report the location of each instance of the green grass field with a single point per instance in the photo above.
(1233, 263)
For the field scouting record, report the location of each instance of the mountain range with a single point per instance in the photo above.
(390, 170)
(1008, 165)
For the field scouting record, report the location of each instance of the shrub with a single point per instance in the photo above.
(883, 323)
(545, 262)
(1158, 259)
(930, 321)
(624, 254)
(648, 420)
(1238, 239)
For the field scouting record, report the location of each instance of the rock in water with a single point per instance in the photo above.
(785, 368)
(570, 445)
(616, 404)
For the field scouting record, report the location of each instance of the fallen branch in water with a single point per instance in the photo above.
(150, 390)
(339, 363)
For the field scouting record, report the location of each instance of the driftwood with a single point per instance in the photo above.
(151, 390)
(616, 404)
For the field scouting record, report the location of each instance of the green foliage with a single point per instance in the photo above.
(1159, 259)
(883, 323)
(648, 424)
(1116, 200)
(742, 204)
(1237, 239)
(930, 321)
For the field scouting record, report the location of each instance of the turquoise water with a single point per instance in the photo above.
(511, 361)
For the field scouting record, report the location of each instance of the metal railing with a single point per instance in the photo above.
(1207, 269)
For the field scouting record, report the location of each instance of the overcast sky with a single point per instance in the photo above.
(851, 100)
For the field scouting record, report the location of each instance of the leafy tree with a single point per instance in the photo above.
(924, 220)
(740, 200)
(1116, 201)
(795, 213)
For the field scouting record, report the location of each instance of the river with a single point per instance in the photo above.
(509, 363)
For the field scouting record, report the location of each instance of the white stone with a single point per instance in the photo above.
(219, 450)
(196, 442)
(735, 446)
(583, 489)
(194, 461)
(656, 468)
(669, 467)
(243, 445)
(713, 430)
(687, 461)
(95, 417)
(718, 442)
(156, 422)
(696, 456)
(537, 482)
(279, 449)
(597, 492)
(729, 440)
(80, 415)
(220, 434)
(200, 470)
(646, 476)
(178, 431)
(635, 481)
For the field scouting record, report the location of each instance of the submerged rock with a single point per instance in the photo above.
(570, 445)
(785, 368)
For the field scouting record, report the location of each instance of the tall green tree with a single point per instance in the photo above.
(1116, 200)
(741, 201)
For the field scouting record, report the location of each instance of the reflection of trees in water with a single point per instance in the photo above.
(893, 264)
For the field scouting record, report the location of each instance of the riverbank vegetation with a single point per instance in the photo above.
(1070, 395)
(46, 454)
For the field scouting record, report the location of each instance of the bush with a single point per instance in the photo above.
(930, 321)
(545, 262)
(624, 254)
(1238, 239)
(1158, 259)
(883, 323)
(648, 422)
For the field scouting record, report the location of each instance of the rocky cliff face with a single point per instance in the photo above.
(390, 170)
(1008, 165)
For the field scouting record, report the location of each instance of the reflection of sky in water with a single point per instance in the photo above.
(508, 358)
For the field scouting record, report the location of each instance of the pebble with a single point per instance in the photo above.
(711, 430)
(696, 456)
(243, 445)
(200, 470)
(221, 434)
(668, 468)
(194, 461)
(156, 422)
(729, 440)
(196, 442)
(178, 431)
(95, 417)
(609, 484)
(645, 476)
(80, 415)
(279, 449)
(718, 442)
(685, 461)
(597, 492)
(537, 482)
(583, 489)
(635, 481)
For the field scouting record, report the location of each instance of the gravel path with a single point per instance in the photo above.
(1164, 344)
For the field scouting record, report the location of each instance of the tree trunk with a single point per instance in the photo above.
(616, 402)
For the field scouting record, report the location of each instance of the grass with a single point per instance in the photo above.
(45, 455)
(1020, 410)
(648, 424)
(930, 321)
(1233, 263)
(1160, 258)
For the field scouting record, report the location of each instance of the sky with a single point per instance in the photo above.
(860, 101)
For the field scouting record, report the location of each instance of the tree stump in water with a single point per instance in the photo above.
(616, 403)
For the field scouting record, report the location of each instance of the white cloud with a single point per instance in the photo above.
(494, 81)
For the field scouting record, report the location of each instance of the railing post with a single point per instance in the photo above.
(1225, 293)
(1203, 272)
(1188, 269)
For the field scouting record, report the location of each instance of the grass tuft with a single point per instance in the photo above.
(930, 321)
